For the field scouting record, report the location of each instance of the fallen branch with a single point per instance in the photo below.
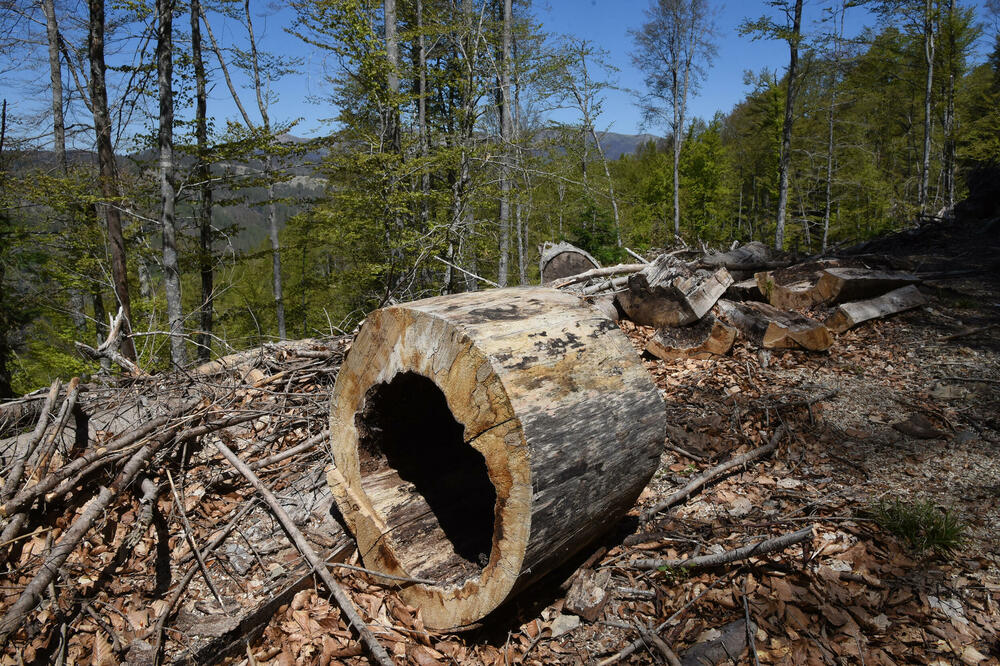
(707, 561)
(109, 348)
(473, 275)
(33, 592)
(189, 535)
(343, 601)
(712, 474)
(598, 272)
(21, 458)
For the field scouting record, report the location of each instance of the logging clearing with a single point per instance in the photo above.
(511, 476)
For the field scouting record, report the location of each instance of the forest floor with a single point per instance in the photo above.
(900, 412)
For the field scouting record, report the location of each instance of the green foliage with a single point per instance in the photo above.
(920, 524)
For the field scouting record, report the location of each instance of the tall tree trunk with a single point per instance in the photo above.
(505, 139)
(6, 390)
(107, 168)
(55, 76)
(786, 127)
(425, 139)
(949, 113)
(392, 54)
(203, 212)
(168, 195)
(678, 139)
(925, 166)
(829, 166)
(272, 211)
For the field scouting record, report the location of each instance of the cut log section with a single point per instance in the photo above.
(772, 328)
(705, 339)
(850, 315)
(796, 286)
(839, 285)
(744, 290)
(669, 293)
(562, 260)
(753, 256)
(480, 439)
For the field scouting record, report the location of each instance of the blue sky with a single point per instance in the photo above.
(604, 22)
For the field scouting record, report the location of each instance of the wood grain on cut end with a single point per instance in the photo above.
(480, 439)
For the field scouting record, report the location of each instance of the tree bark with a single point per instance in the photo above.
(107, 168)
(425, 140)
(55, 76)
(786, 127)
(925, 165)
(203, 212)
(168, 194)
(506, 127)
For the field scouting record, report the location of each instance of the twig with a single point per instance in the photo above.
(751, 634)
(686, 453)
(650, 636)
(45, 452)
(635, 255)
(345, 603)
(403, 579)
(712, 474)
(597, 272)
(985, 380)
(457, 268)
(188, 534)
(638, 643)
(109, 348)
(707, 561)
(308, 444)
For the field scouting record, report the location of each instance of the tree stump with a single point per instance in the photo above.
(481, 439)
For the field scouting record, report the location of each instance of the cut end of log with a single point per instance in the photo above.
(480, 439)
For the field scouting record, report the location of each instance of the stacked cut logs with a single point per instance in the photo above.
(699, 305)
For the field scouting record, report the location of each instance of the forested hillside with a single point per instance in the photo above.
(443, 168)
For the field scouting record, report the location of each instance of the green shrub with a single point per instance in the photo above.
(920, 524)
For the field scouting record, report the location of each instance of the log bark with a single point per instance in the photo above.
(668, 292)
(772, 328)
(744, 290)
(705, 339)
(838, 285)
(850, 315)
(482, 438)
(794, 287)
(563, 260)
(753, 256)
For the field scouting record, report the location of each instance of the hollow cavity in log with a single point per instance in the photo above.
(432, 487)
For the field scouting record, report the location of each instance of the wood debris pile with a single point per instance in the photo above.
(699, 305)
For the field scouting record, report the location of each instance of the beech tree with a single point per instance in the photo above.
(673, 49)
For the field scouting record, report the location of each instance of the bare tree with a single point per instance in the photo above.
(168, 193)
(791, 32)
(506, 138)
(107, 168)
(672, 49)
(203, 212)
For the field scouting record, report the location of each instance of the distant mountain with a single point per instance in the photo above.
(615, 145)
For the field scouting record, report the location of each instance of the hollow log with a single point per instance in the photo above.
(562, 260)
(705, 339)
(849, 315)
(481, 439)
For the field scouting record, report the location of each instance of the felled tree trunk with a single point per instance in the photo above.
(562, 260)
(705, 339)
(849, 315)
(838, 285)
(668, 292)
(772, 328)
(753, 256)
(480, 439)
(795, 286)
